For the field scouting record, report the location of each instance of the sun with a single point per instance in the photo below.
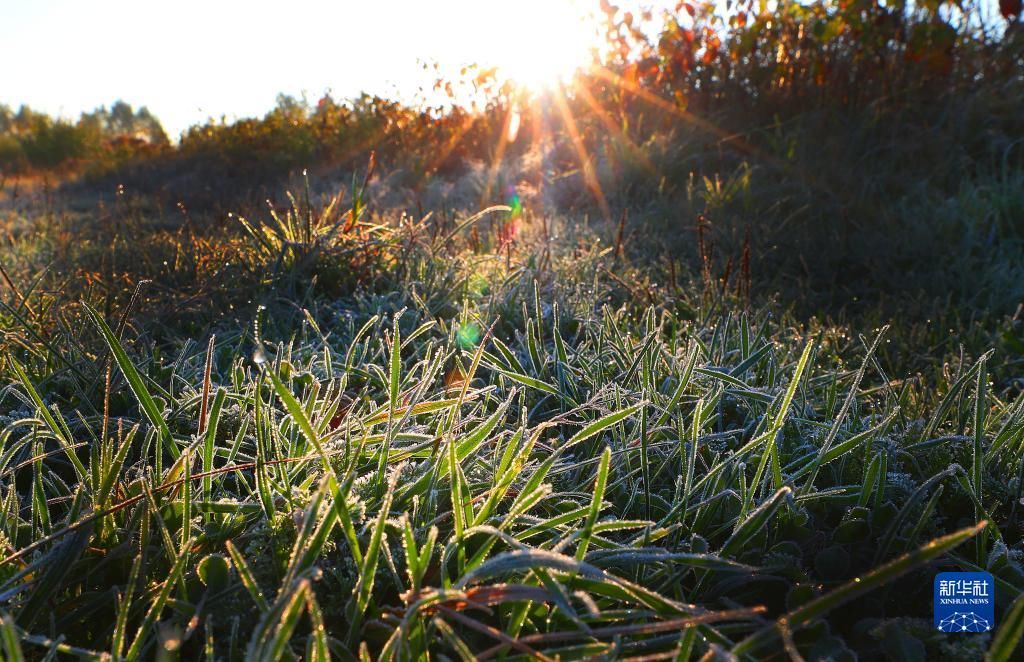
(539, 43)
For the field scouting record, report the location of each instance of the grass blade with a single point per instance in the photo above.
(136, 383)
(859, 586)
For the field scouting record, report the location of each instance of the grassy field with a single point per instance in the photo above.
(732, 381)
(480, 452)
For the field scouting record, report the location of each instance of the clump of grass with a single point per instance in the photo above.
(305, 244)
(501, 454)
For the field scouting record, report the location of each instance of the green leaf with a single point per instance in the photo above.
(602, 424)
(754, 522)
(50, 421)
(771, 452)
(157, 606)
(368, 571)
(136, 383)
(595, 504)
(213, 571)
(245, 574)
(1009, 634)
(298, 415)
(271, 636)
(317, 649)
(11, 641)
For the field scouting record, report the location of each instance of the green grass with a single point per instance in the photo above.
(417, 444)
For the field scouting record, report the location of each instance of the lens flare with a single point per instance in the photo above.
(513, 126)
(468, 335)
(515, 203)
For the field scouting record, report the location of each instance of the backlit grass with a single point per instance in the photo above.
(478, 454)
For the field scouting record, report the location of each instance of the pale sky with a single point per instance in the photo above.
(189, 60)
